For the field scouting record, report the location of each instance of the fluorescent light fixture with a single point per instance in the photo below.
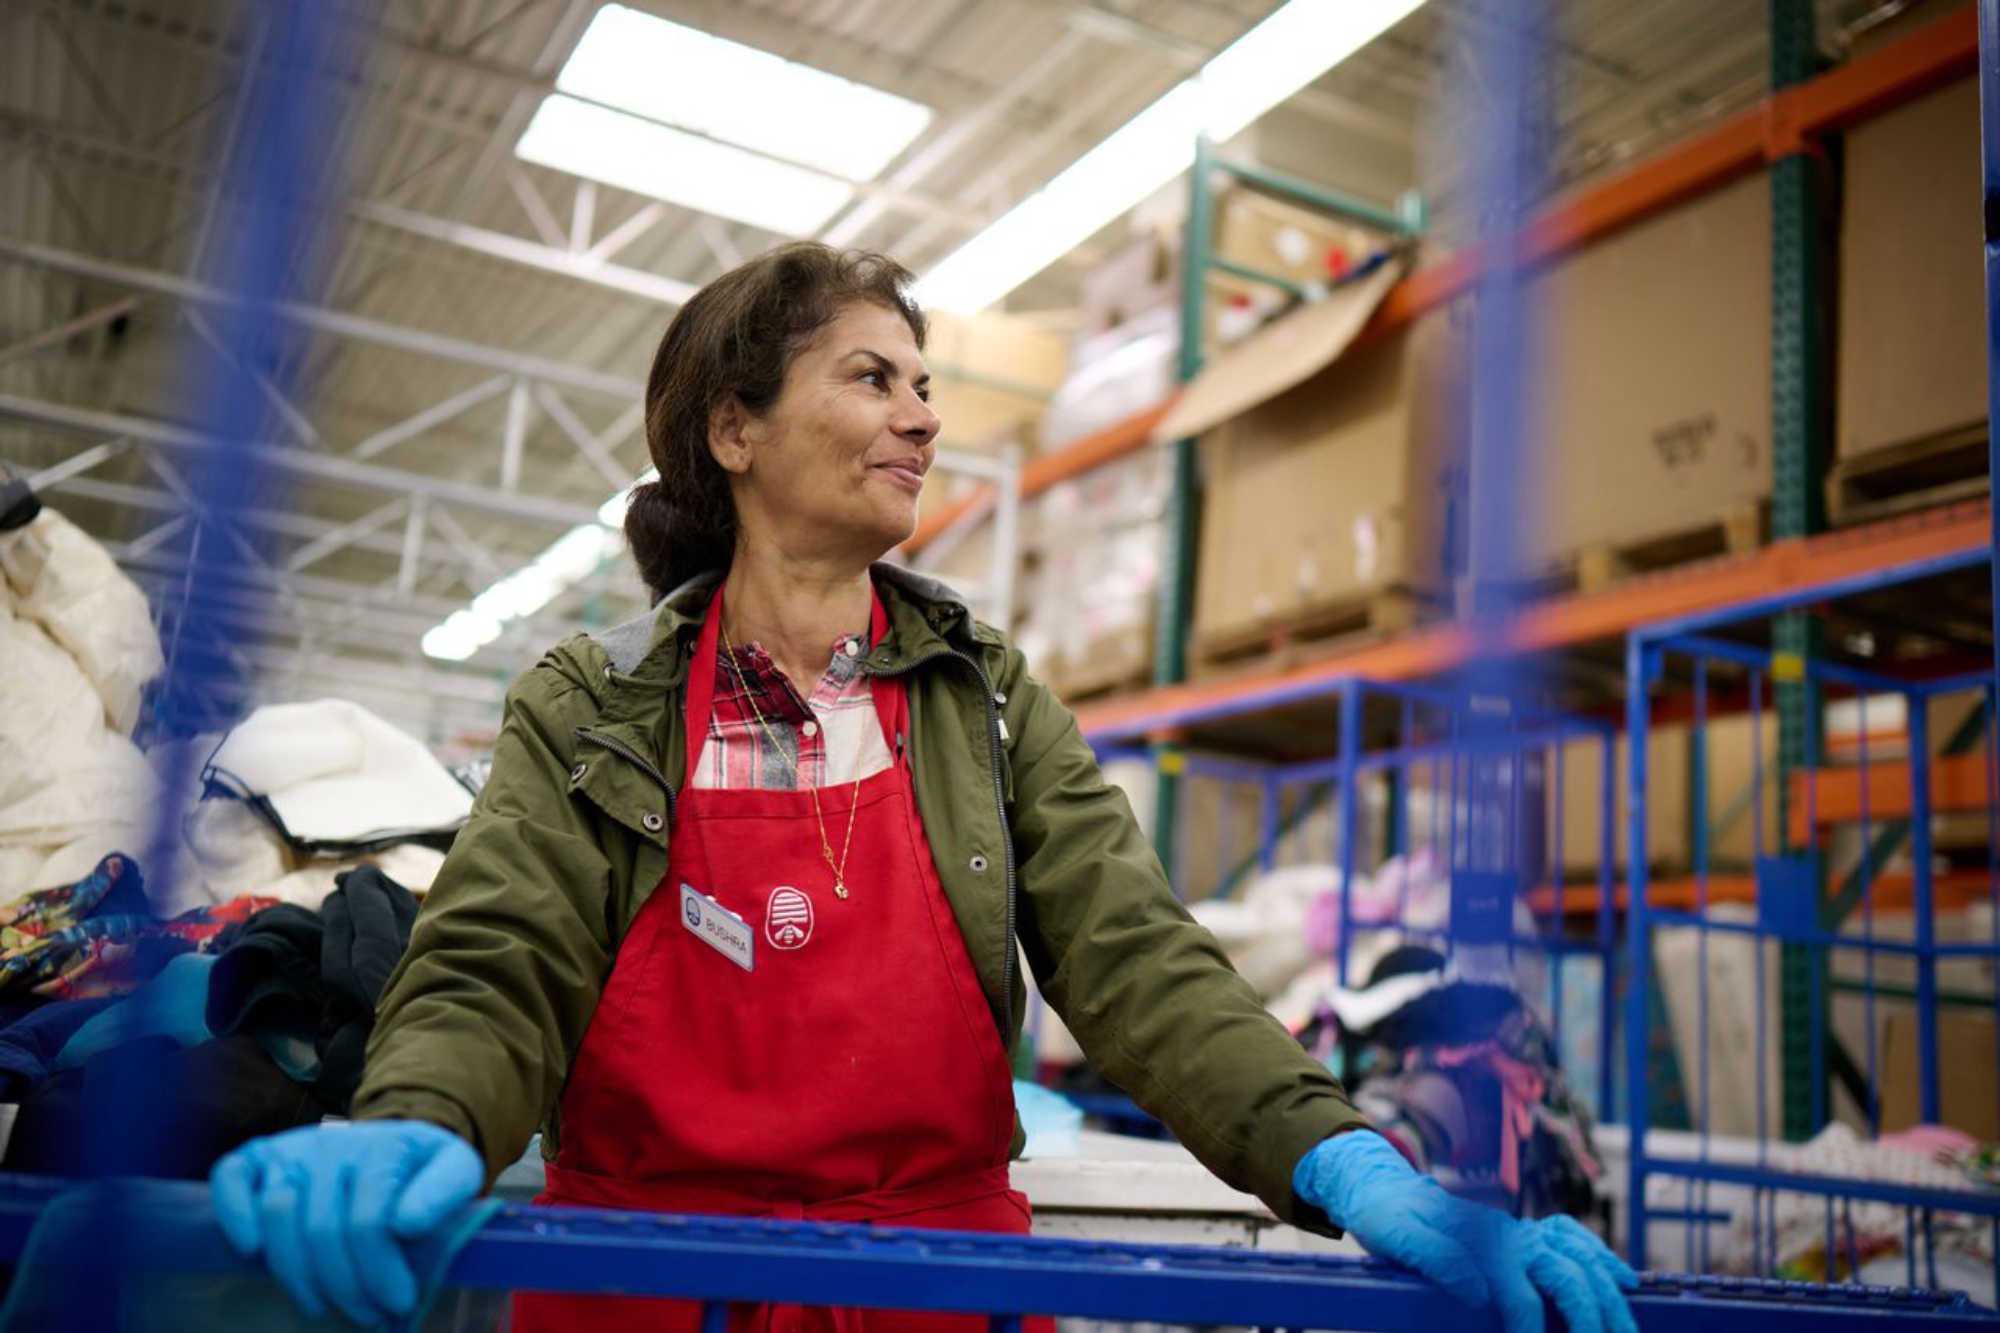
(652, 159)
(1260, 69)
(675, 113)
(685, 77)
(573, 558)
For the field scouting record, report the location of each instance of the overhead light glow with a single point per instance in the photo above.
(1263, 67)
(573, 557)
(651, 159)
(685, 77)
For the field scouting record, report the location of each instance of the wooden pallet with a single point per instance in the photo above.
(1920, 474)
(1600, 565)
(1280, 642)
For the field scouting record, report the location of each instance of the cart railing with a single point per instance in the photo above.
(719, 1260)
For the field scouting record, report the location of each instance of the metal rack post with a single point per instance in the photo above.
(1799, 413)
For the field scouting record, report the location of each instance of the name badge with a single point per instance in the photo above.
(717, 927)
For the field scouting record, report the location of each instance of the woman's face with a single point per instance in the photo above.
(834, 467)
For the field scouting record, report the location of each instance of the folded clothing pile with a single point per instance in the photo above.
(239, 1024)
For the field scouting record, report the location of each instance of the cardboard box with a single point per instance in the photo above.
(991, 376)
(1322, 494)
(1669, 790)
(1968, 1084)
(1651, 401)
(1285, 239)
(1912, 345)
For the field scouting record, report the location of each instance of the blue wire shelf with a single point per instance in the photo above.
(716, 1259)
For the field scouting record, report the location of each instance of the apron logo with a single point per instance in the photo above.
(788, 919)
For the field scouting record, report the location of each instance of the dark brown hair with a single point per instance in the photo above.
(736, 336)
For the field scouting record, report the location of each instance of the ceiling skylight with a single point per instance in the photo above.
(1260, 69)
(649, 158)
(695, 103)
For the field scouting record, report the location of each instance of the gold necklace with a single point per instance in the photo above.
(839, 868)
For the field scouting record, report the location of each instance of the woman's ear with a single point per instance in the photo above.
(730, 427)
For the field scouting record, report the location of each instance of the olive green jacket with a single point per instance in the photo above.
(568, 839)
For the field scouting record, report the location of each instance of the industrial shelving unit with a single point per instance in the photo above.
(1290, 720)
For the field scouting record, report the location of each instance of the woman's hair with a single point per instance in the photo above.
(736, 337)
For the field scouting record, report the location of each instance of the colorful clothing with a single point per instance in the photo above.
(827, 740)
(99, 936)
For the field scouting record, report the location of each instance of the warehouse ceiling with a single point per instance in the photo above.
(478, 325)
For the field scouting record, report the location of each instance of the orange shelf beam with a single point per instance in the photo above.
(1952, 891)
(1832, 796)
(1776, 127)
(1567, 621)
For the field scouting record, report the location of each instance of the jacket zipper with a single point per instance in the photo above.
(998, 757)
(632, 756)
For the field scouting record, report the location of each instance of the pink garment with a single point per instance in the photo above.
(1521, 1091)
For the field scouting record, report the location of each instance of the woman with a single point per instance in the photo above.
(735, 917)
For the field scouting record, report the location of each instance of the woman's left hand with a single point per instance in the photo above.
(1478, 1254)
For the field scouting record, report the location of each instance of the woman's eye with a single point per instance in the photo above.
(876, 378)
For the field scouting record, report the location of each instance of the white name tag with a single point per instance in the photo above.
(718, 927)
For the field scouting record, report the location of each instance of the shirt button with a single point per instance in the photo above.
(576, 774)
(809, 728)
(652, 822)
(999, 698)
(978, 864)
(851, 648)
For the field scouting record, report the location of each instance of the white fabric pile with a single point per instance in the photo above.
(79, 647)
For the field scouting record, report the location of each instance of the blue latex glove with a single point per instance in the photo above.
(1478, 1254)
(326, 1205)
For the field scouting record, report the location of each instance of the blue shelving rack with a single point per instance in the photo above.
(1737, 651)
(719, 1260)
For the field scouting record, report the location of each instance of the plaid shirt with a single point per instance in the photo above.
(828, 740)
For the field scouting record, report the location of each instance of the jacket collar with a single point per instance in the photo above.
(923, 613)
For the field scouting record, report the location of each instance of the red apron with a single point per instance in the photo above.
(851, 1074)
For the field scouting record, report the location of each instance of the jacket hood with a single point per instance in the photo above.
(922, 611)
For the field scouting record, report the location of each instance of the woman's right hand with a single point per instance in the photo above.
(326, 1205)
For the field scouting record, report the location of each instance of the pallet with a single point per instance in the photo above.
(1601, 565)
(1902, 478)
(1279, 642)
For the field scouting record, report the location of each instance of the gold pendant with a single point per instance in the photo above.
(840, 890)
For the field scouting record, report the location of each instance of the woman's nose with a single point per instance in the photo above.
(917, 421)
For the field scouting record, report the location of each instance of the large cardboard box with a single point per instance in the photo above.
(991, 376)
(1912, 356)
(1650, 411)
(1730, 765)
(1322, 495)
(1286, 239)
(1968, 1083)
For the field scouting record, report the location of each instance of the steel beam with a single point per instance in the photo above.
(83, 323)
(628, 231)
(590, 446)
(529, 195)
(347, 534)
(325, 321)
(360, 534)
(283, 405)
(583, 215)
(298, 463)
(77, 464)
(416, 424)
(567, 263)
(413, 548)
(515, 439)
